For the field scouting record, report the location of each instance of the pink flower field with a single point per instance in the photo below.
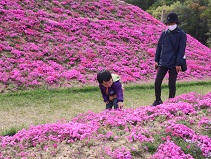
(178, 129)
(65, 43)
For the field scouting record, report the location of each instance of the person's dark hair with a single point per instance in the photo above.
(103, 75)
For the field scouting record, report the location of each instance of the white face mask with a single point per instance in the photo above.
(172, 27)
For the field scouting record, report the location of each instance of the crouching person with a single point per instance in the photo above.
(111, 89)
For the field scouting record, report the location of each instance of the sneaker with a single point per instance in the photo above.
(157, 102)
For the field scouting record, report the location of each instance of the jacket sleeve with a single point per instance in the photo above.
(104, 95)
(119, 91)
(158, 49)
(181, 49)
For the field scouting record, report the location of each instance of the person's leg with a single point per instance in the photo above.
(172, 82)
(109, 105)
(161, 72)
(115, 103)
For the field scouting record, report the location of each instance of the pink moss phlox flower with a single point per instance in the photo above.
(84, 37)
(181, 130)
(120, 153)
(170, 150)
(205, 102)
(136, 135)
(205, 122)
(202, 141)
(189, 97)
(54, 132)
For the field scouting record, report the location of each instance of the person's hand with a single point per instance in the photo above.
(107, 102)
(178, 68)
(120, 105)
(156, 65)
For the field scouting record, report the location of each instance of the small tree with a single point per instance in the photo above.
(207, 16)
(143, 4)
(157, 13)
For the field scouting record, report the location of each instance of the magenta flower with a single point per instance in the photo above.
(86, 38)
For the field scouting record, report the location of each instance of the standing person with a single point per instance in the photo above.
(169, 56)
(111, 89)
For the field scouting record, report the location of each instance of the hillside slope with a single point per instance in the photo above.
(63, 43)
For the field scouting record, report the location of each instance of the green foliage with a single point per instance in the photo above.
(194, 15)
(137, 153)
(163, 10)
(152, 147)
(188, 148)
(10, 132)
(160, 118)
(101, 130)
(144, 4)
(206, 132)
(121, 127)
(207, 16)
(184, 122)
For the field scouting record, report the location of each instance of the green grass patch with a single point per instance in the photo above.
(152, 147)
(184, 122)
(33, 107)
(11, 131)
(188, 148)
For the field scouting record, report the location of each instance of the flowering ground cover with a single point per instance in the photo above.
(179, 128)
(64, 43)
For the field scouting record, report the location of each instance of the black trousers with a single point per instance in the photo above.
(161, 72)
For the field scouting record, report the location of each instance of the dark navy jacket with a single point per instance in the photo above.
(165, 54)
(115, 89)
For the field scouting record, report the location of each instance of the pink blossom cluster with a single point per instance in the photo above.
(205, 122)
(132, 117)
(199, 101)
(59, 43)
(120, 153)
(170, 150)
(48, 135)
(133, 126)
(180, 130)
(140, 134)
(202, 141)
(190, 97)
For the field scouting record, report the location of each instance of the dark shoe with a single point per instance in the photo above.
(157, 102)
